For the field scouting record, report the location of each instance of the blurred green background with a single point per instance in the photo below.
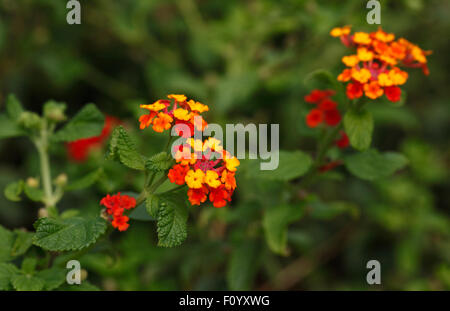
(248, 61)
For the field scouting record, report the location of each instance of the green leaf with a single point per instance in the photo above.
(85, 181)
(172, 218)
(159, 162)
(13, 107)
(275, 224)
(13, 190)
(243, 266)
(69, 213)
(88, 122)
(9, 128)
(27, 282)
(123, 149)
(68, 234)
(292, 164)
(53, 277)
(28, 265)
(140, 213)
(359, 128)
(321, 79)
(34, 194)
(23, 241)
(152, 205)
(6, 244)
(372, 165)
(7, 271)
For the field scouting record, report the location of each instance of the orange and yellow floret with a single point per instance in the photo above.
(207, 169)
(373, 71)
(177, 109)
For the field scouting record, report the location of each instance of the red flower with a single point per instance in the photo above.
(393, 93)
(78, 150)
(219, 196)
(177, 174)
(314, 117)
(197, 196)
(354, 90)
(332, 117)
(327, 104)
(115, 206)
(343, 142)
(317, 96)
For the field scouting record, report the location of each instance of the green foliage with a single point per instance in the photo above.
(123, 149)
(159, 162)
(13, 108)
(34, 194)
(359, 127)
(6, 244)
(275, 222)
(152, 205)
(69, 234)
(242, 266)
(88, 122)
(372, 165)
(292, 164)
(13, 190)
(172, 219)
(9, 128)
(85, 181)
(7, 270)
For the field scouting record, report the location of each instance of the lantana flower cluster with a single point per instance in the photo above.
(207, 169)
(116, 205)
(374, 69)
(326, 112)
(164, 113)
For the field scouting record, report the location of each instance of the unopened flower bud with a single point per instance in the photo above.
(83, 274)
(54, 111)
(32, 182)
(61, 180)
(30, 120)
(42, 213)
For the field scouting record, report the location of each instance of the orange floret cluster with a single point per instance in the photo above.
(207, 169)
(165, 113)
(373, 71)
(115, 208)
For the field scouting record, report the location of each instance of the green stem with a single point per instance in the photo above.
(42, 148)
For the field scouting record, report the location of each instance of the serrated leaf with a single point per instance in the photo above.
(23, 241)
(13, 107)
(6, 244)
(172, 218)
(372, 165)
(68, 234)
(88, 122)
(242, 266)
(7, 271)
(27, 282)
(359, 128)
(34, 194)
(53, 277)
(275, 224)
(292, 164)
(85, 181)
(9, 128)
(123, 149)
(159, 162)
(13, 190)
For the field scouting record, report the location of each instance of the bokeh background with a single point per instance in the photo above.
(248, 61)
